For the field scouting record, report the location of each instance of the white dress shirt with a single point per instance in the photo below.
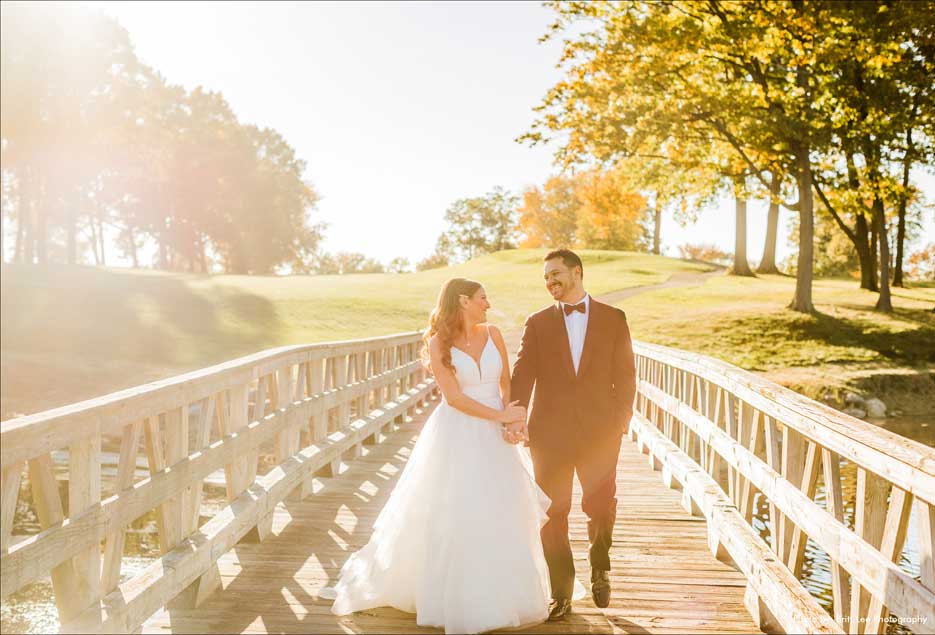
(576, 326)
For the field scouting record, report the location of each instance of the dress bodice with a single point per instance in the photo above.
(480, 381)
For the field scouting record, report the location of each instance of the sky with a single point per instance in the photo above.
(399, 109)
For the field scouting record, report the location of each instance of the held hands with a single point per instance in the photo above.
(514, 420)
(512, 413)
(515, 432)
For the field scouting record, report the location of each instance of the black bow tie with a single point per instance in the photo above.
(571, 308)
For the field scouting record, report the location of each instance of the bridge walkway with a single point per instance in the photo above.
(665, 578)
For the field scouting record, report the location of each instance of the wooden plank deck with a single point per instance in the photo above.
(665, 579)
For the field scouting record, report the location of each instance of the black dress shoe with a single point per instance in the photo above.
(600, 588)
(558, 609)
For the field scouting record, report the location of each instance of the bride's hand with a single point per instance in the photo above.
(513, 412)
(515, 432)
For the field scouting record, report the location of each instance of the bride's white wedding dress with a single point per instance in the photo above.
(458, 540)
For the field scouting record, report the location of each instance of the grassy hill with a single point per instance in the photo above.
(69, 333)
(846, 345)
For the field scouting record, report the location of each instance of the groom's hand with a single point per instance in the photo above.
(514, 432)
(624, 420)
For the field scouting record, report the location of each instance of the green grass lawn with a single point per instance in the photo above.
(69, 333)
(846, 344)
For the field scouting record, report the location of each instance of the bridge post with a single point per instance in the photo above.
(84, 490)
(690, 505)
(718, 550)
(762, 616)
(669, 479)
(318, 421)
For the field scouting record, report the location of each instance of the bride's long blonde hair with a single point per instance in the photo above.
(445, 320)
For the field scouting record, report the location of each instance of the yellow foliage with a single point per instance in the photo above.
(611, 214)
(592, 210)
(549, 214)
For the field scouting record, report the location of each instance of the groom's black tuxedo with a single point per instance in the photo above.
(576, 423)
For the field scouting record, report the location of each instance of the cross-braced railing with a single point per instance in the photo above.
(307, 406)
(725, 436)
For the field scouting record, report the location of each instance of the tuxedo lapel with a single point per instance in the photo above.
(558, 328)
(591, 335)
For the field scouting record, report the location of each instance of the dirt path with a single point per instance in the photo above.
(684, 279)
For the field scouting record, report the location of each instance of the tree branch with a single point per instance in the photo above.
(847, 230)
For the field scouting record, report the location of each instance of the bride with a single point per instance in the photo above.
(458, 540)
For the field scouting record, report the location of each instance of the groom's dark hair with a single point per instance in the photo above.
(569, 257)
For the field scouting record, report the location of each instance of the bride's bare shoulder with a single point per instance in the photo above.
(495, 333)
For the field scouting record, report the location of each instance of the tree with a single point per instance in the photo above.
(612, 216)
(354, 262)
(922, 264)
(549, 215)
(740, 266)
(678, 177)
(768, 261)
(481, 224)
(399, 265)
(884, 93)
(326, 264)
(62, 69)
(433, 261)
(96, 146)
(774, 82)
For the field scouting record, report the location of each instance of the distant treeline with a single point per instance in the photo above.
(99, 150)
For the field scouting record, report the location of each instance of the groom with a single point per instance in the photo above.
(578, 355)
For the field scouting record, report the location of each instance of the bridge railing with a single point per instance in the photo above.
(726, 437)
(306, 405)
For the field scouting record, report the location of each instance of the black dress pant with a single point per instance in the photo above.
(595, 461)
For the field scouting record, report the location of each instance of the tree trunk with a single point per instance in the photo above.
(164, 245)
(71, 235)
(93, 226)
(41, 228)
(202, 256)
(29, 217)
(768, 261)
(132, 244)
(802, 301)
(741, 267)
(884, 303)
(3, 206)
(101, 237)
(20, 230)
(868, 273)
(903, 203)
(657, 224)
(874, 261)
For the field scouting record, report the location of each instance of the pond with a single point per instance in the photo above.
(816, 571)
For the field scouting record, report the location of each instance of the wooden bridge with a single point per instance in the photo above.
(308, 441)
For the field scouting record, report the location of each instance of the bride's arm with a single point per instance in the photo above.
(505, 373)
(448, 384)
(517, 431)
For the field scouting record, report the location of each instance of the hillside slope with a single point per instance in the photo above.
(69, 333)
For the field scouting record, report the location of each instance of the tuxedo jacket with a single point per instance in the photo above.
(568, 407)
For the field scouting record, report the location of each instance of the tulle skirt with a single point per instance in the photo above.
(457, 543)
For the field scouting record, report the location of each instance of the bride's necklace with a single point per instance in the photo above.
(467, 342)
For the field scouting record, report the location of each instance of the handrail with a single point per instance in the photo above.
(724, 435)
(718, 433)
(312, 403)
